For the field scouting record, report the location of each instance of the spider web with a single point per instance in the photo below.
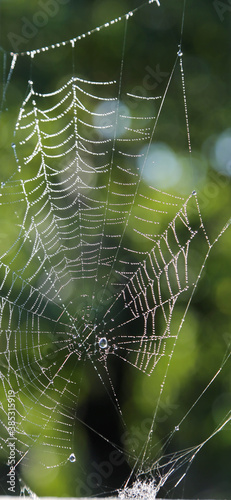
(98, 259)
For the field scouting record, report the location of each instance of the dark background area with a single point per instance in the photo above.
(152, 42)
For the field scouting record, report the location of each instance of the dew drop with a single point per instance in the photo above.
(194, 192)
(103, 343)
(180, 53)
(13, 145)
(129, 14)
(177, 428)
(72, 458)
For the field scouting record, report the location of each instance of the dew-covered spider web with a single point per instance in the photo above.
(100, 266)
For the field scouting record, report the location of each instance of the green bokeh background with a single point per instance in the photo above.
(152, 40)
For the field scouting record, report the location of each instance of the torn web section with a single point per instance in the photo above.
(67, 192)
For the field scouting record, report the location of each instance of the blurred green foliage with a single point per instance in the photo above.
(152, 41)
